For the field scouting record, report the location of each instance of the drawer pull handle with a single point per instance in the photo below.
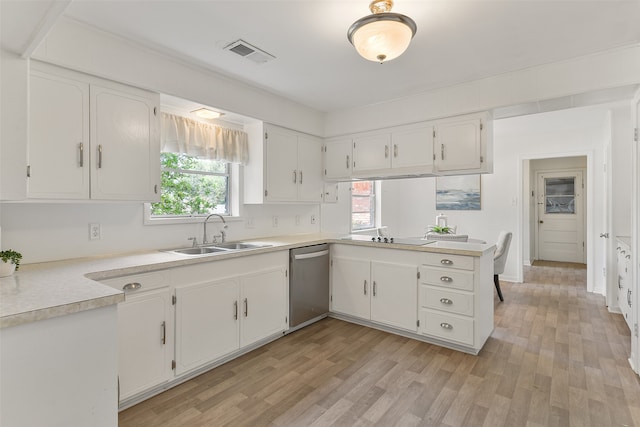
(446, 262)
(446, 301)
(445, 325)
(446, 279)
(133, 286)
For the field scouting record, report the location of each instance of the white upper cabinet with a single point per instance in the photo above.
(91, 138)
(337, 158)
(59, 138)
(284, 166)
(452, 146)
(461, 145)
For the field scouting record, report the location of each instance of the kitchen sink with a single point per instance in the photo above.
(218, 248)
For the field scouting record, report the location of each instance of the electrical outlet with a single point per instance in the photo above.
(313, 219)
(297, 219)
(275, 220)
(94, 231)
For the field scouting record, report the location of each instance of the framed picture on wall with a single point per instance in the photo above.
(458, 193)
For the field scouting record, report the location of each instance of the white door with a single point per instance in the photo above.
(263, 302)
(394, 294)
(206, 323)
(281, 165)
(145, 350)
(371, 152)
(560, 232)
(337, 158)
(350, 287)
(458, 145)
(125, 145)
(310, 184)
(412, 147)
(59, 138)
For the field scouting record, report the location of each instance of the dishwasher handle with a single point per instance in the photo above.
(311, 255)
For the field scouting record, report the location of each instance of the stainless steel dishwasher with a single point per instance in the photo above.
(308, 285)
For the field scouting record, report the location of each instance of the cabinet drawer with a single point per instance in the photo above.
(447, 278)
(138, 282)
(446, 300)
(448, 327)
(449, 261)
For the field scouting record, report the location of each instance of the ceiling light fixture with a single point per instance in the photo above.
(382, 36)
(206, 113)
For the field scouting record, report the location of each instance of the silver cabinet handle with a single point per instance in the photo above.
(446, 279)
(442, 151)
(133, 286)
(445, 325)
(300, 177)
(81, 150)
(235, 310)
(100, 156)
(374, 288)
(395, 150)
(295, 177)
(446, 262)
(365, 287)
(246, 308)
(623, 252)
(446, 301)
(386, 151)
(619, 283)
(629, 297)
(163, 326)
(347, 161)
(628, 256)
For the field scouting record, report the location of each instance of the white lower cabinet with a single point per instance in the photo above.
(145, 332)
(219, 311)
(366, 287)
(624, 282)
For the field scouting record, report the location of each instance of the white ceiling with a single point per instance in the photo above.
(316, 66)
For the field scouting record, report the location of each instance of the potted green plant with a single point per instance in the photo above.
(10, 262)
(441, 229)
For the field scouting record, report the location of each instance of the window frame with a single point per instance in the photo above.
(375, 206)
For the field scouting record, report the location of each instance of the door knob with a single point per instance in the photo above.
(541, 222)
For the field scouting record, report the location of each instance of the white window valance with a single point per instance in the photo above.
(186, 136)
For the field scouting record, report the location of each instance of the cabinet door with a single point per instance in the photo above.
(337, 159)
(125, 145)
(394, 296)
(263, 302)
(458, 145)
(330, 193)
(310, 184)
(206, 323)
(144, 335)
(59, 138)
(281, 167)
(412, 148)
(350, 287)
(371, 152)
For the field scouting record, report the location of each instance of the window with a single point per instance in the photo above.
(192, 186)
(560, 195)
(363, 205)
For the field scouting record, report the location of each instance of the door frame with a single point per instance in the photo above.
(536, 218)
(523, 171)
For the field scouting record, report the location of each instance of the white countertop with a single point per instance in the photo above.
(46, 290)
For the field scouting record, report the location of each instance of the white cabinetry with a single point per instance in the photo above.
(145, 332)
(285, 166)
(366, 285)
(219, 311)
(371, 152)
(461, 145)
(625, 282)
(456, 299)
(337, 157)
(91, 138)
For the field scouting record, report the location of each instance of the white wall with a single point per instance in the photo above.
(408, 205)
(621, 170)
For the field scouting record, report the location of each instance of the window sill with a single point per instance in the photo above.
(195, 219)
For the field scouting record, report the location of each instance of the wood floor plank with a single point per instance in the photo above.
(556, 358)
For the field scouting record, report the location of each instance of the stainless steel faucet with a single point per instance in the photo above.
(222, 233)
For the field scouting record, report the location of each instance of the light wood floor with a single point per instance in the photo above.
(556, 358)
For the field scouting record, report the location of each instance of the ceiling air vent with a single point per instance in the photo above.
(244, 49)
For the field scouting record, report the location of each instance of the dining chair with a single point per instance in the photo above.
(500, 258)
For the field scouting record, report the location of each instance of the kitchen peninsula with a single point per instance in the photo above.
(49, 308)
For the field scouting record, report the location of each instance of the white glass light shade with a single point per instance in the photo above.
(382, 37)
